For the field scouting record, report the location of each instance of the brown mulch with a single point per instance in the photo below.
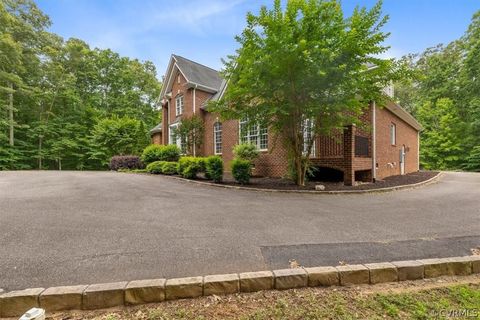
(286, 184)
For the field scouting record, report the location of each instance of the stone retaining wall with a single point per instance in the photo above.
(106, 295)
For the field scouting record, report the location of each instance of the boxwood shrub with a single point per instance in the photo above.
(246, 151)
(189, 167)
(169, 168)
(155, 152)
(125, 162)
(241, 170)
(214, 168)
(155, 167)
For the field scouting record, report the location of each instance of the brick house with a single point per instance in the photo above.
(390, 147)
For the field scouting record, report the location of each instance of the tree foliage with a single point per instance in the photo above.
(54, 94)
(445, 97)
(306, 67)
(117, 136)
(191, 130)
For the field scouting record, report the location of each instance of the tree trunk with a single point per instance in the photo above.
(10, 115)
(59, 164)
(40, 140)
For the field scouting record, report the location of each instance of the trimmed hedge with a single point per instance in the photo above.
(125, 162)
(214, 168)
(189, 167)
(246, 151)
(155, 152)
(241, 170)
(155, 167)
(169, 168)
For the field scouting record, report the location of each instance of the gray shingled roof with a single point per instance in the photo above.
(157, 128)
(216, 96)
(199, 73)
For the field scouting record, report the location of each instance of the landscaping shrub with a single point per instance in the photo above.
(214, 168)
(202, 163)
(241, 170)
(169, 168)
(155, 152)
(170, 153)
(245, 151)
(189, 167)
(155, 167)
(125, 162)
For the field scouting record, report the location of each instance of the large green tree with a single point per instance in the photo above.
(53, 93)
(306, 67)
(445, 97)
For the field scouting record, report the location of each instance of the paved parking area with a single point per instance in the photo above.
(59, 228)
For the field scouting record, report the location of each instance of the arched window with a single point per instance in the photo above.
(217, 137)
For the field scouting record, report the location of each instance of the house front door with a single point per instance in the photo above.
(402, 160)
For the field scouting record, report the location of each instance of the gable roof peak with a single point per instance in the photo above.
(178, 57)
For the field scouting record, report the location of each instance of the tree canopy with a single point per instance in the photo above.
(306, 67)
(445, 97)
(55, 95)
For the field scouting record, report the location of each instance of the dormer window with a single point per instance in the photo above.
(178, 105)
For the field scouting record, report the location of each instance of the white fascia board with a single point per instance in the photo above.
(192, 84)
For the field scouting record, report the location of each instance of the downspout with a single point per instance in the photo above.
(374, 142)
(168, 122)
(194, 107)
(418, 150)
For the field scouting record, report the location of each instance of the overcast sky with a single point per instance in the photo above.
(204, 30)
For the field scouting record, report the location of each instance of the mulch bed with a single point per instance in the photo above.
(285, 184)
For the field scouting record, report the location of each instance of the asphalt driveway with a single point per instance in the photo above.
(60, 228)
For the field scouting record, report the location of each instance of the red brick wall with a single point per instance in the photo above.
(179, 87)
(388, 154)
(157, 138)
(271, 163)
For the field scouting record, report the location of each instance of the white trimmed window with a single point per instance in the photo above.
(217, 138)
(176, 139)
(254, 134)
(307, 135)
(393, 134)
(178, 105)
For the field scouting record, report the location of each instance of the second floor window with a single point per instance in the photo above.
(254, 134)
(217, 137)
(178, 105)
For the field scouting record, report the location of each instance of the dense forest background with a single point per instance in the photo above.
(63, 104)
(66, 105)
(444, 95)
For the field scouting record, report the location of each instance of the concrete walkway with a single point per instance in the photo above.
(59, 228)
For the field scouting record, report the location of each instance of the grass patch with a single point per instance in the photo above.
(309, 304)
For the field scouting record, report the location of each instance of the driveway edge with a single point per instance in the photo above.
(106, 295)
(379, 190)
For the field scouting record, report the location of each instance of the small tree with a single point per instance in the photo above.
(117, 136)
(191, 131)
(306, 68)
